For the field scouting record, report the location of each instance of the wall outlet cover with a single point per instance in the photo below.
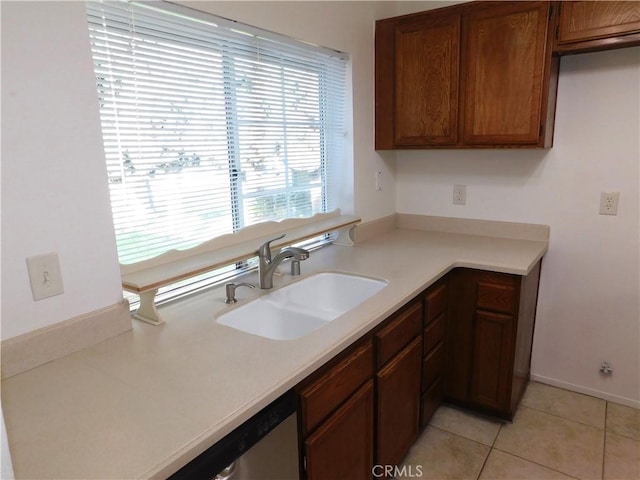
(609, 203)
(459, 194)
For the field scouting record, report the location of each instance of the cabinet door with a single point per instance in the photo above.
(506, 71)
(426, 80)
(462, 291)
(398, 404)
(581, 21)
(492, 360)
(333, 387)
(342, 447)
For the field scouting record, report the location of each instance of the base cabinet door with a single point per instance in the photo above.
(342, 447)
(492, 354)
(398, 398)
(492, 317)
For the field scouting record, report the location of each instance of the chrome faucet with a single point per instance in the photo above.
(267, 266)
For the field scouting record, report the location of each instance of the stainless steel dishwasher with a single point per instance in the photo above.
(275, 457)
(265, 447)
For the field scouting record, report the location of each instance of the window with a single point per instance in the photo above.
(210, 125)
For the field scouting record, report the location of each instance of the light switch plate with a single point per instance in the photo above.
(45, 276)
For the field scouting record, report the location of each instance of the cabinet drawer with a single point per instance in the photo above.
(392, 338)
(432, 365)
(436, 303)
(325, 394)
(497, 297)
(434, 333)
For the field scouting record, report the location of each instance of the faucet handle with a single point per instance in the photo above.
(295, 267)
(265, 249)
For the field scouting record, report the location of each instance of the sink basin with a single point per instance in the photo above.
(302, 307)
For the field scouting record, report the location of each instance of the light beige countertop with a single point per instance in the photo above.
(144, 403)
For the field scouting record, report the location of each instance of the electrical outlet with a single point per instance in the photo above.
(378, 178)
(45, 276)
(609, 203)
(459, 194)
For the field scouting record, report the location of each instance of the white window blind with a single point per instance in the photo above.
(210, 125)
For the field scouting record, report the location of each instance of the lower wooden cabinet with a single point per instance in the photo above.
(489, 339)
(342, 447)
(363, 407)
(491, 359)
(336, 416)
(434, 349)
(467, 339)
(399, 354)
(398, 396)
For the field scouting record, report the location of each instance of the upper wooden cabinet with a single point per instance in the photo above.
(507, 59)
(597, 25)
(472, 75)
(427, 52)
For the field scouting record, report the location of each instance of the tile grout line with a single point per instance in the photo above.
(604, 441)
(491, 448)
(571, 419)
(536, 463)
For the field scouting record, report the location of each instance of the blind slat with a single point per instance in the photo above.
(209, 125)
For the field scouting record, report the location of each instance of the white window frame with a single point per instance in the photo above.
(330, 166)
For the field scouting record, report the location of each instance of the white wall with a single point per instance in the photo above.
(589, 306)
(54, 189)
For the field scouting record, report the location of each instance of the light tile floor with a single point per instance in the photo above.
(556, 434)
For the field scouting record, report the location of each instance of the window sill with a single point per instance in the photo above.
(144, 278)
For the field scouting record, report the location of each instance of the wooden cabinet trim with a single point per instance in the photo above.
(384, 83)
(430, 401)
(433, 365)
(436, 303)
(434, 333)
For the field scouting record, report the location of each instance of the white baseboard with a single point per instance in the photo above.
(38, 347)
(630, 402)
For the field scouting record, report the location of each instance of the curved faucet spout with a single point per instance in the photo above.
(267, 266)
